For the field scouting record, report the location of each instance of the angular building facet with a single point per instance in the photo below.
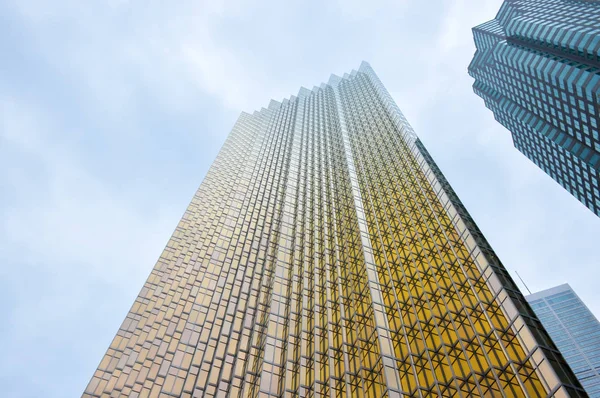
(574, 330)
(537, 67)
(325, 254)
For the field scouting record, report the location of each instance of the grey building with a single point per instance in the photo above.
(537, 67)
(574, 330)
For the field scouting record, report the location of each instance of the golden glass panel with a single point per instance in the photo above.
(325, 254)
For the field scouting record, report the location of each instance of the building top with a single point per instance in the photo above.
(549, 292)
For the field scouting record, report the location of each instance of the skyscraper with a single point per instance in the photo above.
(537, 67)
(325, 254)
(574, 330)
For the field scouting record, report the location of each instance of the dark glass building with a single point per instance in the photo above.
(325, 255)
(537, 67)
(575, 331)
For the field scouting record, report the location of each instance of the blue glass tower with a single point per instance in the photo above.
(575, 331)
(537, 67)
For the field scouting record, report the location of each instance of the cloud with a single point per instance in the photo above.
(112, 112)
(459, 18)
(126, 50)
(65, 212)
(357, 9)
(63, 230)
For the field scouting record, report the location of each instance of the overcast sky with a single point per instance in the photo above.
(111, 113)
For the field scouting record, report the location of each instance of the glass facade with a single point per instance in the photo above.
(537, 67)
(574, 330)
(325, 254)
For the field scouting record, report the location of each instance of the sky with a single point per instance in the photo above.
(112, 111)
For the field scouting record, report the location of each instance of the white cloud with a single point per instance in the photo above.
(124, 50)
(460, 17)
(80, 231)
(63, 232)
(357, 9)
(69, 211)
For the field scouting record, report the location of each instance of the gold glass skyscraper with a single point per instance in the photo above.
(326, 255)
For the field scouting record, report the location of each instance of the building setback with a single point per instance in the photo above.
(325, 254)
(574, 330)
(537, 67)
